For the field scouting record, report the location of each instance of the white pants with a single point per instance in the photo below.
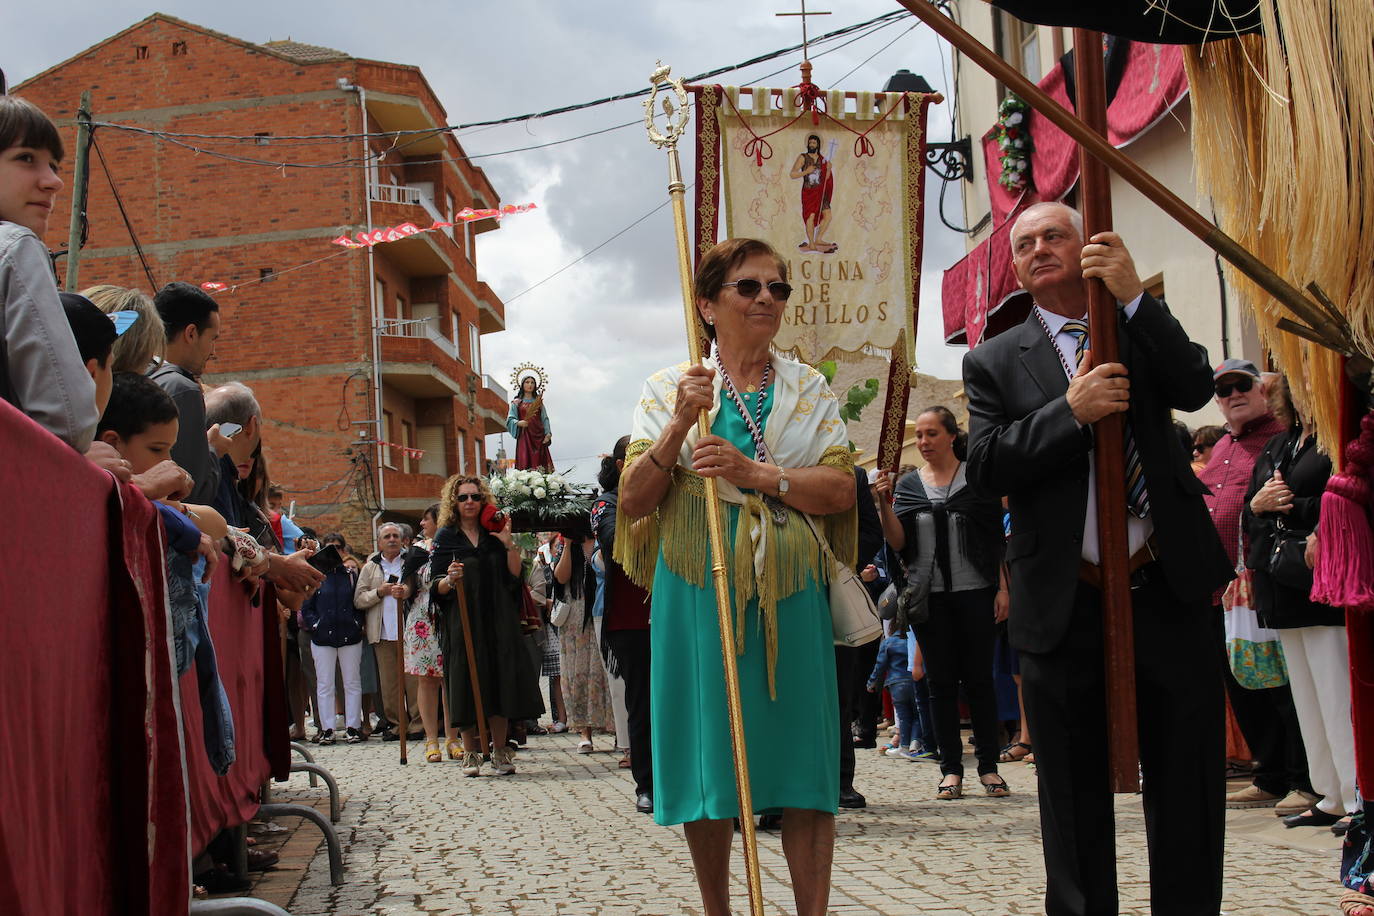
(1319, 674)
(617, 685)
(350, 659)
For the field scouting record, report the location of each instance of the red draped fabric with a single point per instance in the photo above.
(245, 638)
(84, 626)
(980, 292)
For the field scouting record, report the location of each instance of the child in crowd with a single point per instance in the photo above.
(40, 369)
(896, 672)
(140, 422)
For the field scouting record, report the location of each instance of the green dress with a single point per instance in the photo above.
(793, 741)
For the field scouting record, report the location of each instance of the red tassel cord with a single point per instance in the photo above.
(1344, 572)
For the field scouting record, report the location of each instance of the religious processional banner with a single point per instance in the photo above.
(835, 185)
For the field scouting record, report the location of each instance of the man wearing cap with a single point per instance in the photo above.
(1267, 718)
(1033, 398)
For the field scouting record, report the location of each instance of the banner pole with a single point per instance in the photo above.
(715, 520)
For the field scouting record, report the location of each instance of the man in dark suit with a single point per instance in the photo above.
(1032, 402)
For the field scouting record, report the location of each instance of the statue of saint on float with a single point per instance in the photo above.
(528, 421)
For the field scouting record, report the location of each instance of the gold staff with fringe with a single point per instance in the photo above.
(675, 125)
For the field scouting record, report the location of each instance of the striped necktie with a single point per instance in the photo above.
(1137, 499)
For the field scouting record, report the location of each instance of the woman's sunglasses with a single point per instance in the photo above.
(464, 497)
(749, 288)
(1242, 384)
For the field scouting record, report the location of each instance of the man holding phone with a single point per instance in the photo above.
(382, 594)
(191, 319)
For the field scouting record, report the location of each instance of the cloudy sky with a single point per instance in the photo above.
(604, 323)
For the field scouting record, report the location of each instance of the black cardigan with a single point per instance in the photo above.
(978, 519)
(1279, 606)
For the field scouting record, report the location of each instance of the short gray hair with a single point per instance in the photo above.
(232, 402)
(400, 529)
(1075, 219)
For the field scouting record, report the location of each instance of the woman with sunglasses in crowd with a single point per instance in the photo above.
(486, 564)
(777, 449)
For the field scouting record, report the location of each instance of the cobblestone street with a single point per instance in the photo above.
(562, 837)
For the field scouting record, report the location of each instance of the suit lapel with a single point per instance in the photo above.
(1041, 359)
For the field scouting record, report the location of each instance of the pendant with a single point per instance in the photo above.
(751, 389)
(777, 509)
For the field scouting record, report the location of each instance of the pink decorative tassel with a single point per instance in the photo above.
(1344, 574)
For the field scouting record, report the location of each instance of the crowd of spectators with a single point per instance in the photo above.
(423, 637)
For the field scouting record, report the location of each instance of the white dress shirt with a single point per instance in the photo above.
(389, 625)
(1137, 529)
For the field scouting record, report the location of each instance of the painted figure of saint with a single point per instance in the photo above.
(818, 187)
(528, 421)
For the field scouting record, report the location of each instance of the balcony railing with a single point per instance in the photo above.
(418, 327)
(404, 194)
(494, 385)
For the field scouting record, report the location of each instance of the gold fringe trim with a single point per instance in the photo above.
(791, 558)
(636, 542)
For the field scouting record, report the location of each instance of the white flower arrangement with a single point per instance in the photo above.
(543, 495)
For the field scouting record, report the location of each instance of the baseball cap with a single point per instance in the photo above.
(1232, 366)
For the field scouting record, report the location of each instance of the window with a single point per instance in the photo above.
(388, 422)
(1018, 43)
(263, 137)
(451, 208)
(462, 453)
(400, 309)
(265, 273)
(140, 52)
(1028, 40)
(407, 441)
(178, 49)
(379, 294)
(454, 324)
(475, 349)
(430, 440)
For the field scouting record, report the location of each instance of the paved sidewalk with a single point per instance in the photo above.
(562, 837)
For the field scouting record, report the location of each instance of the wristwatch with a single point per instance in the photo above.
(783, 483)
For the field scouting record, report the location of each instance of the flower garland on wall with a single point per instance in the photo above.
(1013, 139)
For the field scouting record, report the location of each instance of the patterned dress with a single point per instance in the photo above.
(586, 695)
(423, 655)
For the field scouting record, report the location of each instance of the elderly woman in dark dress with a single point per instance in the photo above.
(487, 567)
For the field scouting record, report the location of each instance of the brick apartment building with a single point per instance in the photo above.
(304, 339)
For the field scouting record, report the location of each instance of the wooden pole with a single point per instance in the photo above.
(715, 519)
(461, 589)
(401, 703)
(1327, 330)
(1118, 636)
(83, 149)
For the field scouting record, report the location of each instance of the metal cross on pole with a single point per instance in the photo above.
(804, 12)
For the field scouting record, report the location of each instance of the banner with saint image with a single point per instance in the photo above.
(834, 183)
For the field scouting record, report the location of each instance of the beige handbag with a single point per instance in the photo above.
(853, 615)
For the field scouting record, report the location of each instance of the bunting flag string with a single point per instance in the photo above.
(377, 237)
(405, 230)
(414, 454)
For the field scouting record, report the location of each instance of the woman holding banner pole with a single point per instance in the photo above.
(777, 448)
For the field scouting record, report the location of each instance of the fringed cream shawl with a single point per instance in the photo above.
(768, 562)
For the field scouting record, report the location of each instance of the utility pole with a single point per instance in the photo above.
(83, 144)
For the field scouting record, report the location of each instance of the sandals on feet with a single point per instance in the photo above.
(950, 792)
(432, 752)
(998, 789)
(1011, 755)
(455, 749)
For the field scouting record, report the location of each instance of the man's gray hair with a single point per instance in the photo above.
(407, 532)
(232, 402)
(400, 529)
(1075, 218)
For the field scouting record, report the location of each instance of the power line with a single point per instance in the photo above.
(881, 21)
(589, 253)
(119, 202)
(353, 161)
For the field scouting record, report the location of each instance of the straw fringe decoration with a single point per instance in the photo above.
(1283, 143)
